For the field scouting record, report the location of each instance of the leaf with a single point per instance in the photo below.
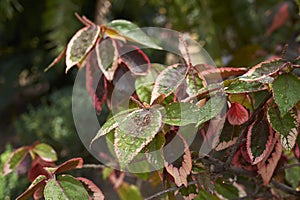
(132, 32)
(56, 60)
(96, 84)
(144, 84)
(111, 124)
(286, 90)
(259, 140)
(107, 57)
(39, 182)
(263, 70)
(194, 83)
(153, 151)
(292, 176)
(39, 167)
(242, 98)
(228, 136)
(180, 174)
(65, 187)
(74, 163)
(237, 114)
(135, 59)
(168, 81)
(227, 191)
(136, 131)
(180, 114)
(267, 166)
(202, 194)
(45, 151)
(239, 86)
(14, 159)
(218, 74)
(127, 192)
(287, 126)
(80, 45)
(211, 109)
(97, 193)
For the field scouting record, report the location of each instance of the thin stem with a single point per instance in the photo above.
(93, 166)
(137, 102)
(285, 188)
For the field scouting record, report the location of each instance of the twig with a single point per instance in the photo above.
(170, 190)
(285, 188)
(94, 166)
(244, 131)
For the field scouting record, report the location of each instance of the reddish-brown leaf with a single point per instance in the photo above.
(180, 174)
(74, 163)
(218, 74)
(242, 159)
(38, 184)
(267, 166)
(38, 168)
(135, 59)
(97, 193)
(237, 114)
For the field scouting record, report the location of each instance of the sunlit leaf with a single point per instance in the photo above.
(73, 163)
(65, 187)
(237, 114)
(168, 81)
(127, 191)
(135, 59)
(45, 151)
(132, 32)
(259, 140)
(14, 159)
(97, 193)
(239, 86)
(39, 182)
(135, 132)
(180, 174)
(286, 90)
(80, 44)
(107, 57)
(181, 114)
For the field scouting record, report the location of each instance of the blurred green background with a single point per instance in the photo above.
(35, 105)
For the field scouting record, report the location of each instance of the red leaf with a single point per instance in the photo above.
(242, 159)
(180, 174)
(135, 59)
(74, 163)
(267, 166)
(97, 193)
(96, 88)
(37, 168)
(237, 114)
(280, 16)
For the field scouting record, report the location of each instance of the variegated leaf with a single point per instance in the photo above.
(240, 86)
(14, 159)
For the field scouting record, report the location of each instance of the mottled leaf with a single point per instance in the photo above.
(65, 187)
(39, 182)
(144, 84)
(135, 132)
(239, 86)
(107, 57)
(194, 83)
(168, 81)
(181, 114)
(259, 140)
(73, 163)
(153, 151)
(14, 159)
(180, 174)
(135, 59)
(45, 151)
(287, 126)
(132, 33)
(237, 114)
(127, 192)
(80, 45)
(286, 90)
(97, 193)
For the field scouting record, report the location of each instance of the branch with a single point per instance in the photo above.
(285, 188)
(244, 131)
(94, 166)
(170, 190)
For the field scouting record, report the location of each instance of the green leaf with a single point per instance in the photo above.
(286, 90)
(153, 151)
(111, 124)
(127, 192)
(65, 187)
(135, 132)
(286, 126)
(168, 81)
(239, 86)
(80, 45)
(132, 32)
(106, 172)
(107, 58)
(144, 84)
(194, 83)
(292, 176)
(39, 182)
(45, 151)
(211, 109)
(181, 114)
(202, 194)
(227, 191)
(14, 159)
